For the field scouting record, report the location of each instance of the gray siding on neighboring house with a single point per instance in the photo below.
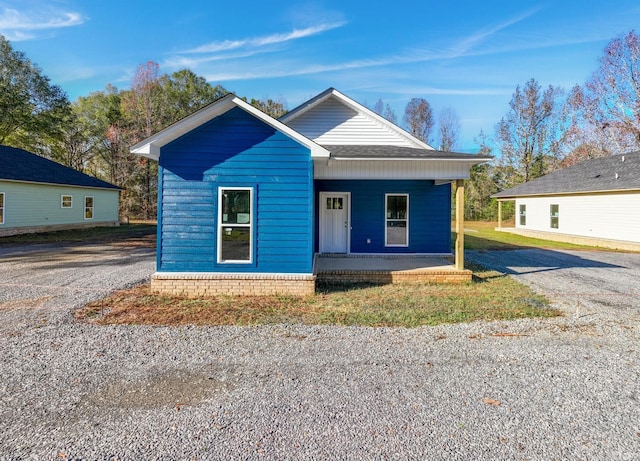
(34, 204)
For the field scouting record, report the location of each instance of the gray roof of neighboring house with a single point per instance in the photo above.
(617, 172)
(391, 152)
(20, 165)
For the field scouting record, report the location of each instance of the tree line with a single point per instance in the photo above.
(544, 129)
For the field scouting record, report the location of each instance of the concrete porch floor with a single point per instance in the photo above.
(385, 269)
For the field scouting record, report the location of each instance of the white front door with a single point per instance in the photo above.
(334, 222)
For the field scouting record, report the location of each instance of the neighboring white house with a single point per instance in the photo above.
(596, 202)
(39, 195)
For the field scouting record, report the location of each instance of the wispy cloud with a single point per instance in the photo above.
(19, 25)
(468, 44)
(295, 34)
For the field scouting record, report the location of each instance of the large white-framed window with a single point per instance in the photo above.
(66, 201)
(235, 225)
(396, 211)
(88, 207)
(1, 207)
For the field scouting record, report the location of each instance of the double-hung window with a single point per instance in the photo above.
(235, 224)
(66, 201)
(88, 207)
(523, 215)
(1, 207)
(396, 232)
(555, 216)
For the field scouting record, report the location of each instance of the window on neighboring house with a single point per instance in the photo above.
(1, 207)
(235, 224)
(88, 207)
(396, 220)
(523, 215)
(555, 214)
(66, 201)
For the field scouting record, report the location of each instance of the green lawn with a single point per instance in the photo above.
(480, 235)
(491, 296)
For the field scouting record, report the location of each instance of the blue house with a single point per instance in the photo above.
(247, 203)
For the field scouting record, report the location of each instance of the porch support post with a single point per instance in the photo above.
(460, 224)
(499, 214)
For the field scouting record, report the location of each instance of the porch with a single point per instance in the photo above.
(385, 269)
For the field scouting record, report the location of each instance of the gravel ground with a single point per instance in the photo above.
(537, 389)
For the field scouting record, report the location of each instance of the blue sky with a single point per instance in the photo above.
(469, 55)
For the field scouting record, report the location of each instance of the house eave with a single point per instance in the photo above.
(574, 193)
(77, 186)
(413, 159)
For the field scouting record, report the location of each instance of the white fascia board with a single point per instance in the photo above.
(317, 151)
(411, 159)
(151, 146)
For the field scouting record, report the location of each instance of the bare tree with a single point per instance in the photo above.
(390, 115)
(607, 108)
(142, 106)
(378, 107)
(418, 116)
(448, 129)
(531, 133)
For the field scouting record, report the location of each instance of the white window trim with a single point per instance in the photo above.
(3, 207)
(220, 225)
(92, 207)
(522, 213)
(387, 245)
(62, 201)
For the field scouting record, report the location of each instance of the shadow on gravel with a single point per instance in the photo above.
(537, 260)
(71, 258)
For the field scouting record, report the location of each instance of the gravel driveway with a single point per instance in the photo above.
(537, 389)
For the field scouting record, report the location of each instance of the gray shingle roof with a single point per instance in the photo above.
(391, 152)
(618, 172)
(20, 165)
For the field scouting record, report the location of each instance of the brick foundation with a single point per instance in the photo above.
(386, 277)
(194, 285)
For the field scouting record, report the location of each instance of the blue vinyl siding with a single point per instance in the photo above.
(236, 150)
(429, 214)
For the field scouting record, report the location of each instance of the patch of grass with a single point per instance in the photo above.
(93, 234)
(491, 296)
(480, 235)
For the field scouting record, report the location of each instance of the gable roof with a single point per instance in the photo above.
(333, 118)
(20, 165)
(150, 147)
(615, 173)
